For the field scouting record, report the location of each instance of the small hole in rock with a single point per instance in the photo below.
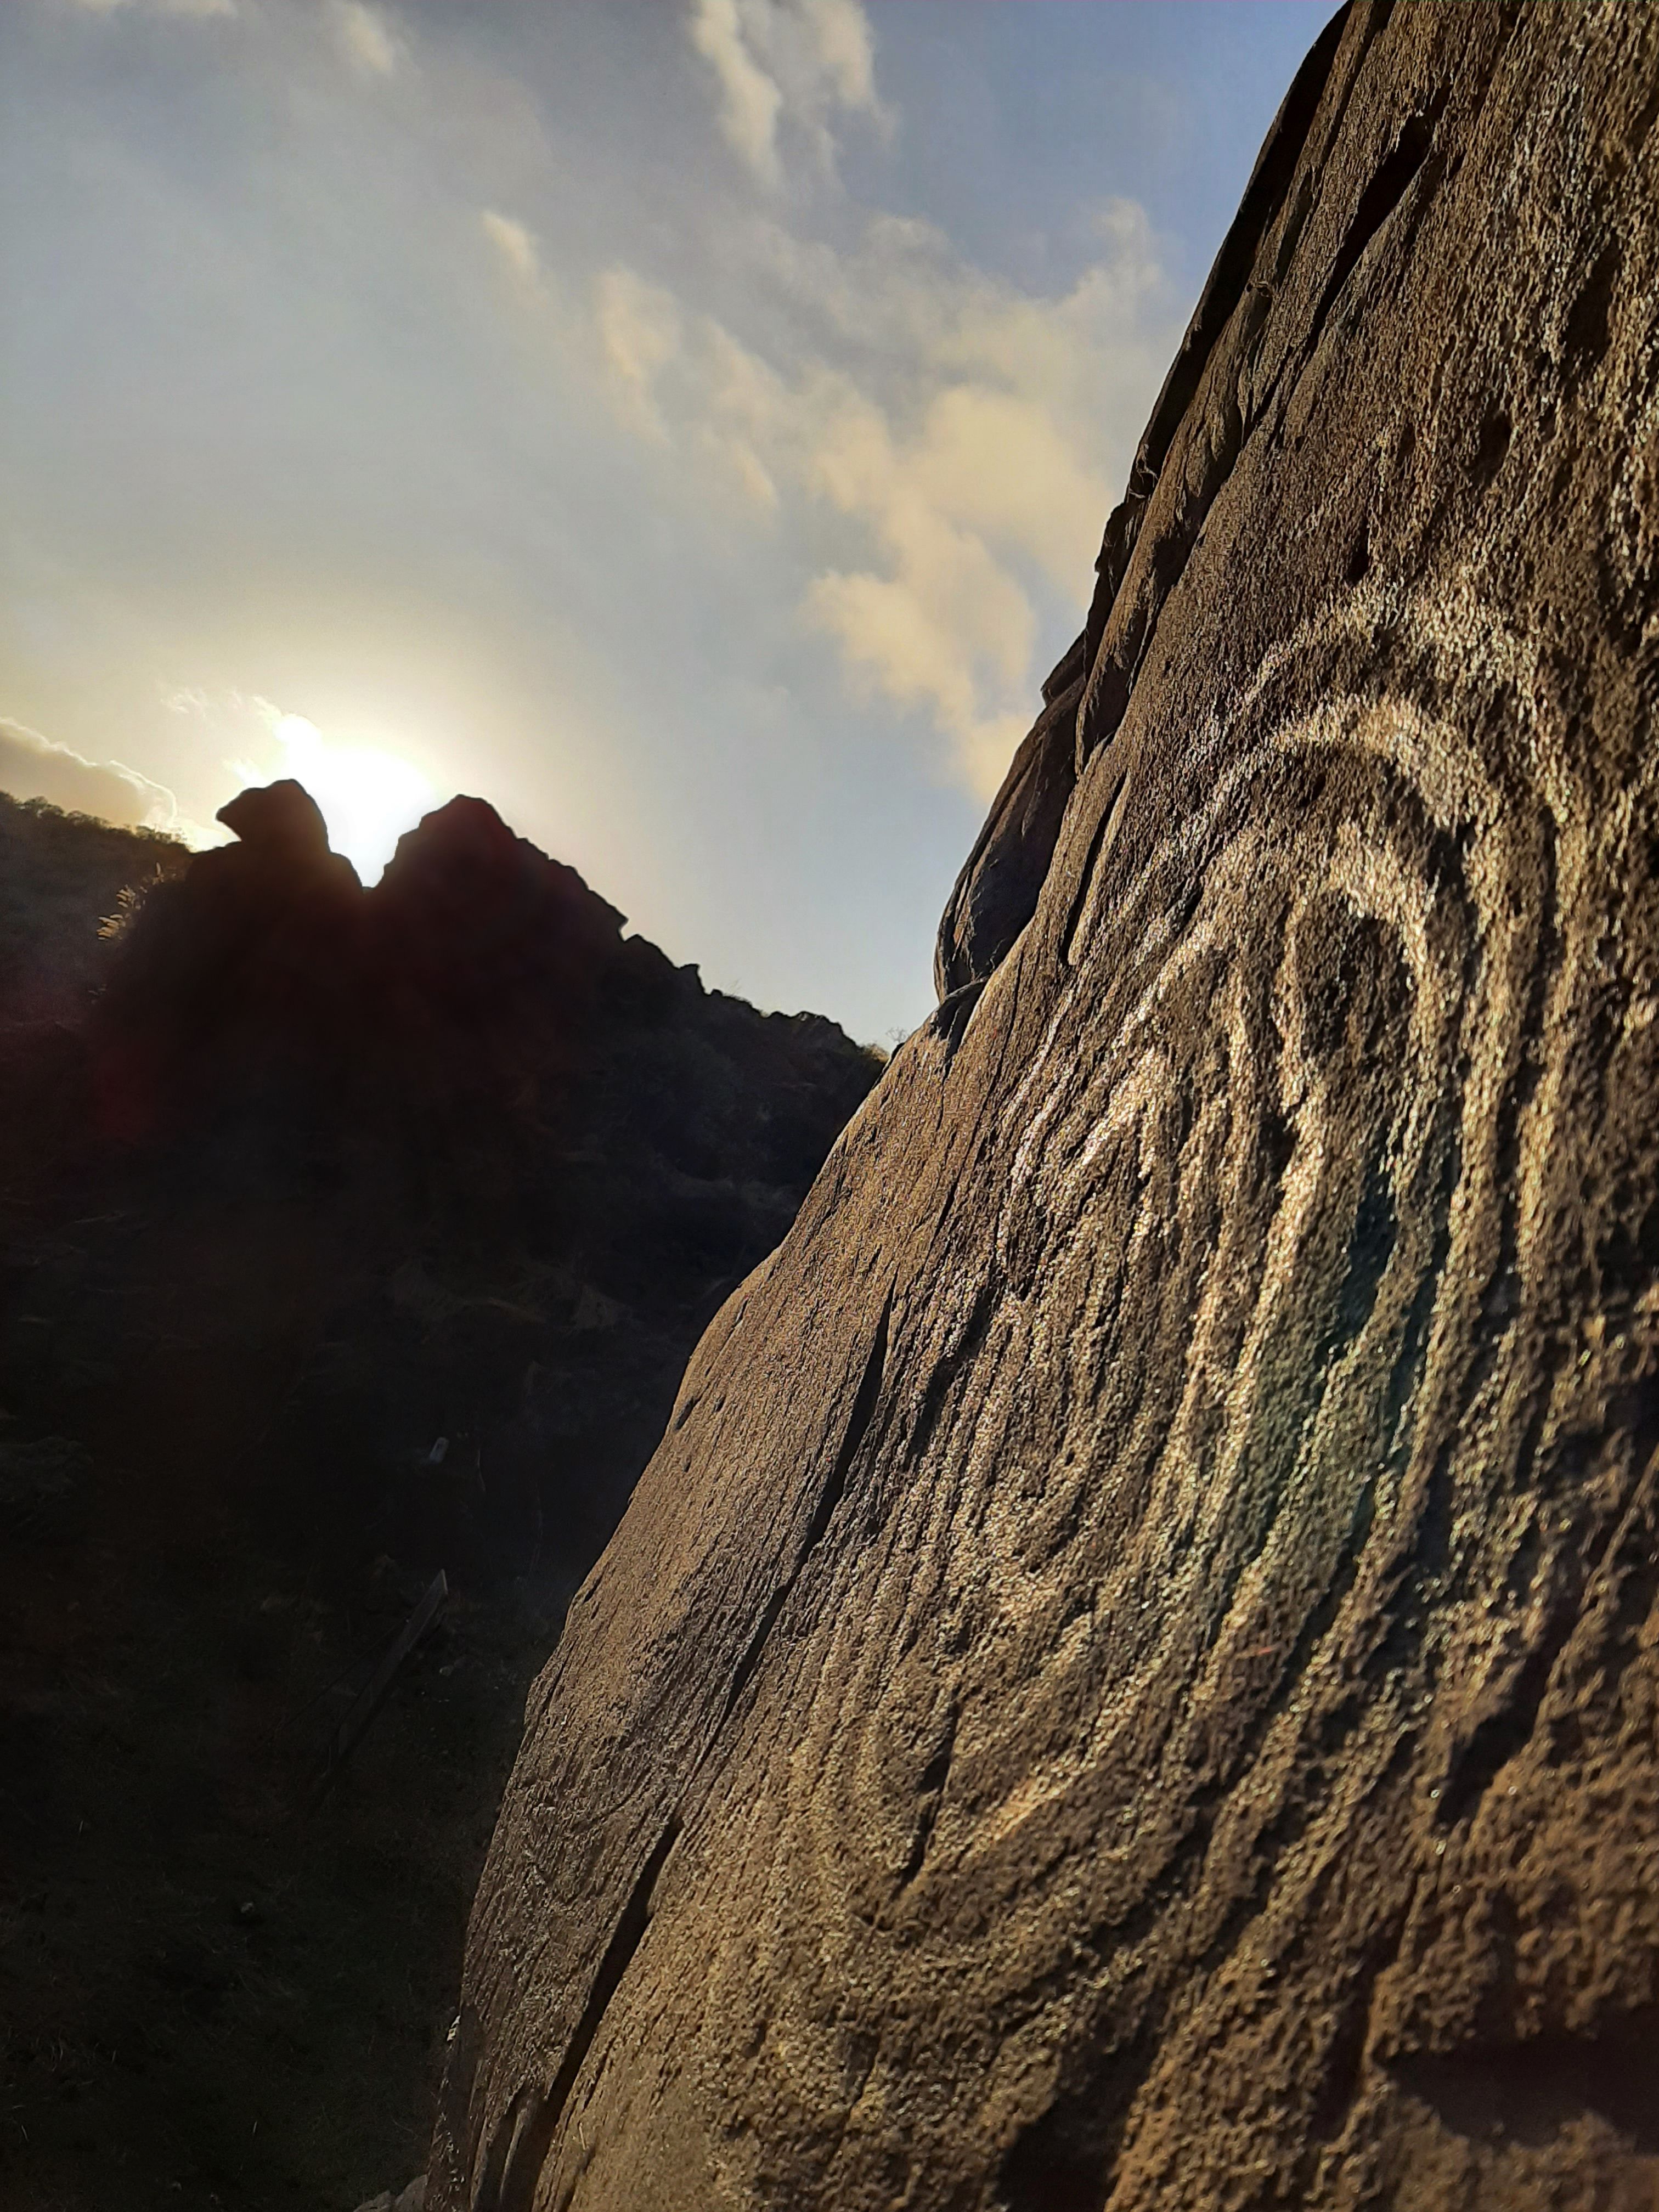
(1494, 449)
(1589, 327)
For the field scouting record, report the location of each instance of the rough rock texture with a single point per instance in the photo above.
(997, 891)
(1134, 1674)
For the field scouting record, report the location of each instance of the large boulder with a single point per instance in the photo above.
(1134, 1674)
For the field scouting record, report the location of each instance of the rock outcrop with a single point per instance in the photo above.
(347, 1235)
(352, 1170)
(1133, 1675)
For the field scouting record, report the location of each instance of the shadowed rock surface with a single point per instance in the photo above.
(1132, 1678)
(348, 1171)
(345, 1235)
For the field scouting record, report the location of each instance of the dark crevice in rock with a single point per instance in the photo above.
(863, 1407)
(1531, 2092)
(996, 893)
(1492, 450)
(1071, 669)
(1585, 338)
(1086, 883)
(1500, 1735)
(1344, 2054)
(950, 1018)
(1062, 2162)
(943, 1379)
(1377, 202)
(533, 2124)
(1401, 1406)
(930, 1792)
(1501, 1302)
(1644, 122)
(1370, 1248)
(508, 2127)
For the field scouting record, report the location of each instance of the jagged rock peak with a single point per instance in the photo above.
(281, 818)
(463, 851)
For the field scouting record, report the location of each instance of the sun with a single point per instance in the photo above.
(367, 798)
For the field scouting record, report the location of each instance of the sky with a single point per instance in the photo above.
(689, 424)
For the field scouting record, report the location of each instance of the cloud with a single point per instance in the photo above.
(34, 767)
(794, 61)
(750, 98)
(200, 9)
(906, 639)
(939, 447)
(369, 41)
(640, 333)
(840, 32)
(516, 244)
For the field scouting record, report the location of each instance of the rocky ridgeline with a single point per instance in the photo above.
(346, 1236)
(1132, 1677)
(429, 1186)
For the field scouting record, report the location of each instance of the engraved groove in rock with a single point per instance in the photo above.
(1360, 979)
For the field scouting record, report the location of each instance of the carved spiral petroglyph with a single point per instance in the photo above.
(1236, 1269)
(1119, 1617)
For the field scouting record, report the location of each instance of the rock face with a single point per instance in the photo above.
(1132, 1677)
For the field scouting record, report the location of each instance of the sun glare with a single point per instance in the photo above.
(367, 798)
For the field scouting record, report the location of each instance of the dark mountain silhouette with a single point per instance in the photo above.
(349, 1235)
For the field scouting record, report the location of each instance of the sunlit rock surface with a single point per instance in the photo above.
(1133, 1675)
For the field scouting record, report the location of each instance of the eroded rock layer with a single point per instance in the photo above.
(1132, 1677)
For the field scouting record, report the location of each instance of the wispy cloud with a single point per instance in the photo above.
(516, 244)
(639, 330)
(750, 98)
(36, 767)
(960, 439)
(368, 36)
(794, 63)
